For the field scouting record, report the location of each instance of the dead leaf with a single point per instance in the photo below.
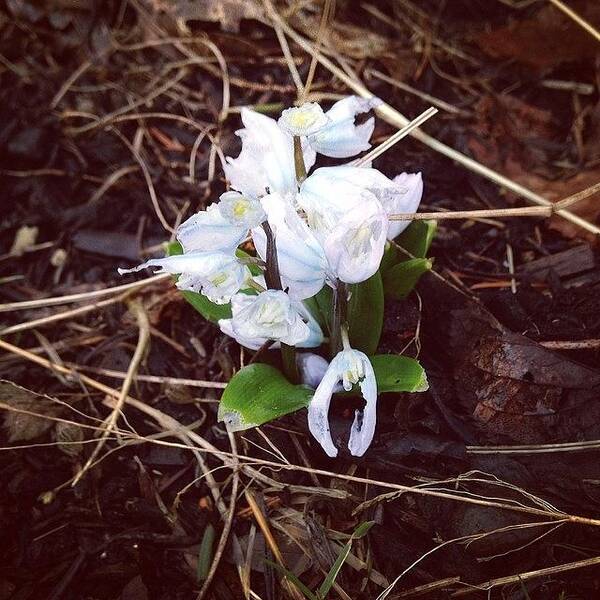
(24, 239)
(228, 13)
(18, 402)
(589, 208)
(547, 40)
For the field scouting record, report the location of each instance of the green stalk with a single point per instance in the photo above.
(340, 316)
(299, 160)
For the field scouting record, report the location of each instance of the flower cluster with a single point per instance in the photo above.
(327, 227)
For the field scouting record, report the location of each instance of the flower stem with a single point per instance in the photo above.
(299, 160)
(340, 316)
(273, 280)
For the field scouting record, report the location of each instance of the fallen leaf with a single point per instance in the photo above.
(18, 402)
(546, 40)
(228, 13)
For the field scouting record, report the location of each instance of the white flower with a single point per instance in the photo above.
(303, 120)
(240, 210)
(400, 195)
(271, 315)
(355, 247)
(348, 220)
(266, 162)
(301, 259)
(215, 274)
(209, 231)
(341, 138)
(350, 367)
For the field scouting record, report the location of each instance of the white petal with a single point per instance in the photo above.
(318, 410)
(355, 247)
(363, 427)
(302, 262)
(312, 368)
(266, 162)
(411, 185)
(303, 120)
(215, 274)
(208, 231)
(342, 138)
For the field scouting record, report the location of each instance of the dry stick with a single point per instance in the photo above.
(492, 583)
(573, 15)
(67, 314)
(56, 300)
(228, 457)
(201, 383)
(144, 335)
(395, 138)
(536, 448)
(577, 345)
(392, 116)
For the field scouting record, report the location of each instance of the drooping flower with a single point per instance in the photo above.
(333, 133)
(217, 275)
(349, 222)
(271, 315)
(303, 120)
(350, 367)
(400, 195)
(341, 138)
(266, 161)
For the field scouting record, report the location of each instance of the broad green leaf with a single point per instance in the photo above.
(417, 237)
(400, 280)
(259, 393)
(395, 373)
(320, 306)
(327, 584)
(391, 256)
(205, 554)
(293, 578)
(365, 314)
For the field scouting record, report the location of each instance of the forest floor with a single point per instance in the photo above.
(113, 119)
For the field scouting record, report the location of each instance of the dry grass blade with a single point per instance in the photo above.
(492, 583)
(579, 20)
(81, 297)
(143, 338)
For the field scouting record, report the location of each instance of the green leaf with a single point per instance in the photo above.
(259, 393)
(293, 578)
(327, 584)
(390, 258)
(320, 306)
(400, 280)
(365, 314)
(417, 237)
(205, 554)
(395, 373)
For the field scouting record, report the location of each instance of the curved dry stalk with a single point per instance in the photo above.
(56, 300)
(144, 336)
